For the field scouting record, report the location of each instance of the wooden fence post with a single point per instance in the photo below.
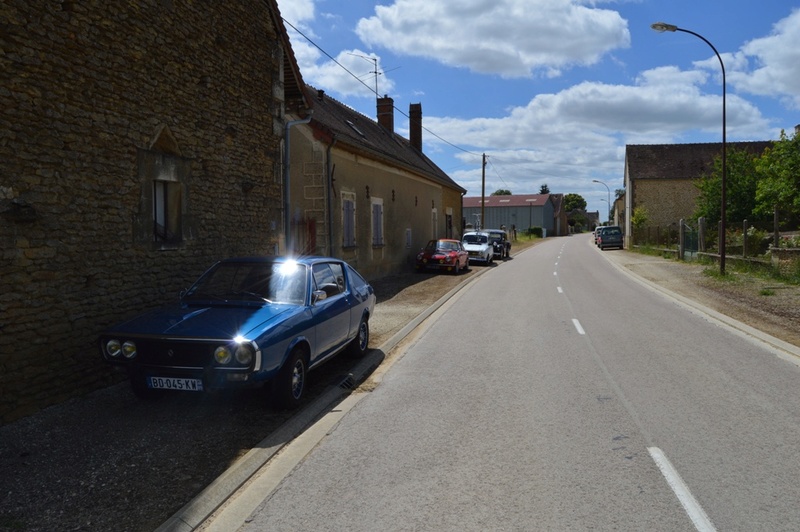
(701, 234)
(744, 238)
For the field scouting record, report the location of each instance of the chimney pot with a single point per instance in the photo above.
(386, 113)
(415, 125)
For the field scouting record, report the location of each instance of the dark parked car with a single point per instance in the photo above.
(443, 254)
(247, 321)
(610, 237)
(500, 243)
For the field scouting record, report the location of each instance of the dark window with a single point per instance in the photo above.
(348, 222)
(166, 211)
(377, 224)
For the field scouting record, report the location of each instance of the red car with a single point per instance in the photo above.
(443, 254)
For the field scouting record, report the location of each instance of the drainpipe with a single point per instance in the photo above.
(287, 214)
(330, 192)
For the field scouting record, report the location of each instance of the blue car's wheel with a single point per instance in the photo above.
(360, 344)
(290, 383)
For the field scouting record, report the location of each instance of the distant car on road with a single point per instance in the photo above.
(443, 254)
(596, 234)
(478, 246)
(500, 243)
(610, 237)
(244, 322)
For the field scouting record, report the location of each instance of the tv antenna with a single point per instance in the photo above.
(375, 71)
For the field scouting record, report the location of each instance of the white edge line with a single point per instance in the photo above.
(693, 509)
(578, 326)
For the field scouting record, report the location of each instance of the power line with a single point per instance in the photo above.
(374, 91)
(496, 172)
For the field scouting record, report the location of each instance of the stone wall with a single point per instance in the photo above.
(87, 87)
(667, 200)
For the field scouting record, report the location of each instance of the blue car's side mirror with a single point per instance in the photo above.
(318, 295)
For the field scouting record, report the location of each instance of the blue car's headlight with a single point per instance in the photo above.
(113, 348)
(129, 350)
(244, 354)
(223, 355)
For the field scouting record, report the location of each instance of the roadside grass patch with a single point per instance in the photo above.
(727, 277)
(647, 249)
(766, 292)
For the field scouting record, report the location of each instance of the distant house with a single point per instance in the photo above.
(362, 192)
(141, 143)
(618, 213)
(661, 177)
(521, 211)
(592, 219)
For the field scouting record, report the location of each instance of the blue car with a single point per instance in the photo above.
(247, 321)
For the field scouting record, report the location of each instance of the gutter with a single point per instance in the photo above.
(287, 207)
(329, 201)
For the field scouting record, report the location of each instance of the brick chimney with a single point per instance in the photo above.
(415, 125)
(386, 113)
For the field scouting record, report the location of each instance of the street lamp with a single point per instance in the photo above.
(662, 27)
(609, 197)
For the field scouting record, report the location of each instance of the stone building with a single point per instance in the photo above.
(139, 143)
(365, 194)
(662, 177)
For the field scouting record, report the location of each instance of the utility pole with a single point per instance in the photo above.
(483, 189)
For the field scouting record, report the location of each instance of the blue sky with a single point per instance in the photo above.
(552, 90)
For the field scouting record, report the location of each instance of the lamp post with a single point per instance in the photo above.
(662, 27)
(609, 197)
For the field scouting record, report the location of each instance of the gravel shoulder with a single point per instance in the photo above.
(108, 461)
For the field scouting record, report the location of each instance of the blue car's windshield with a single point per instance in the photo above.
(278, 282)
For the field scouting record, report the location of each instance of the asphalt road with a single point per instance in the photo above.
(554, 394)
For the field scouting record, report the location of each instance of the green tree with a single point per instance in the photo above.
(619, 193)
(779, 170)
(740, 188)
(501, 192)
(574, 201)
(544, 189)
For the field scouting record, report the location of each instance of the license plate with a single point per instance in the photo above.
(173, 383)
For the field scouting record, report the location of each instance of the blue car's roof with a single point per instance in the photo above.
(303, 259)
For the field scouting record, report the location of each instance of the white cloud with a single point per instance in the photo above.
(328, 75)
(296, 11)
(579, 133)
(777, 59)
(662, 104)
(511, 38)
(321, 71)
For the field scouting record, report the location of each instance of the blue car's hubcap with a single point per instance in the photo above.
(298, 379)
(362, 336)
